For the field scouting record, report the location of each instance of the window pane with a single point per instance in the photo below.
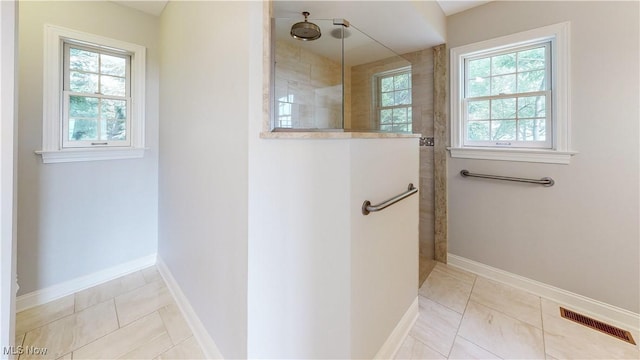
(479, 68)
(400, 115)
(113, 109)
(386, 84)
(110, 85)
(478, 110)
(503, 130)
(82, 106)
(83, 60)
(503, 64)
(505, 84)
(478, 130)
(83, 82)
(387, 99)
(385, 116)
(503, 109)
(531, 130)
(403, 97)
(478, 87)
(531, 59)
(114, 130)
(388, 127)
(401, 82)
(410, 115)
(113, 65)
(531, 81)
(531, 107)
(83, 129)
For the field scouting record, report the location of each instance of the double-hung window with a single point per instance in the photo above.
(96, 97)
(506, 96)
(509, 98)
(393, 100)
(93, 98)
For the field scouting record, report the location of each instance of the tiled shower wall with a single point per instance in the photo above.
(309, 86)
(361, 91)
(422, 96)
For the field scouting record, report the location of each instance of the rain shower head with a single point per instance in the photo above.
(305, 30)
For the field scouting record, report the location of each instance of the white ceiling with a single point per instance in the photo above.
(152, 7)
(403, 26)
(450, 7)
(155, 7)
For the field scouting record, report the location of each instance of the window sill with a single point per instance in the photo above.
(526, 155)
(75, 155)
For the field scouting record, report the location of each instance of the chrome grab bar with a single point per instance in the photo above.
(367, 207)
(545, 181)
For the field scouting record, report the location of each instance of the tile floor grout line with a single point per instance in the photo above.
(164, 324)
(115, 307)
(151, 312)
(425, 345)
(462, 317)
(48, 322)
(504, 313)
(110, 332)
(481, 347)
(544, 341)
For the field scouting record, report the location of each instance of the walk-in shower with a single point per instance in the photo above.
(332, 82)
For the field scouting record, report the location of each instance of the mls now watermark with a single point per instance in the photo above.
(24, 350)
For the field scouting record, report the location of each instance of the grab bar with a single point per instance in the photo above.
(367, 207)
(545, 181)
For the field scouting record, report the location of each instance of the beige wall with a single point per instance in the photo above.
(75, 219)
(582, 234)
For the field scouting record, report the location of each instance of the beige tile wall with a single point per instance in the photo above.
(315, 83)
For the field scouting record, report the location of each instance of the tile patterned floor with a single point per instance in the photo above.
(464, 316)
(132, 317)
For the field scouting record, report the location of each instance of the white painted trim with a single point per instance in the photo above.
(538, 156)
(597, 309)
(58, 291)
(200, 333)
(78, 154)
(52, 101)
(559, 35)
(399, 333)
(8, 124)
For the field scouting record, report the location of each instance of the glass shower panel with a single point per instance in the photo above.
(344, 80)
(378, 82)
(308, 81)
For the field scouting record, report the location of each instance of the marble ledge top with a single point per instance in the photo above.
(334, 135)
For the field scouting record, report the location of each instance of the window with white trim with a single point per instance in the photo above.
(94, 97)
(393, 100)
(510, 97)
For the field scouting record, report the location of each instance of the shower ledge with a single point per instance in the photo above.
(347, 134)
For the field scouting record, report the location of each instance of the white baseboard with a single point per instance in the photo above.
(399, 333)
(200, 333)
(57, 291)
(594, 308)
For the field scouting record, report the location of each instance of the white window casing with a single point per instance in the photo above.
(55, 148)
(558, 151)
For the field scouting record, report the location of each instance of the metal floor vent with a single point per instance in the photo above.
(597, 325)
